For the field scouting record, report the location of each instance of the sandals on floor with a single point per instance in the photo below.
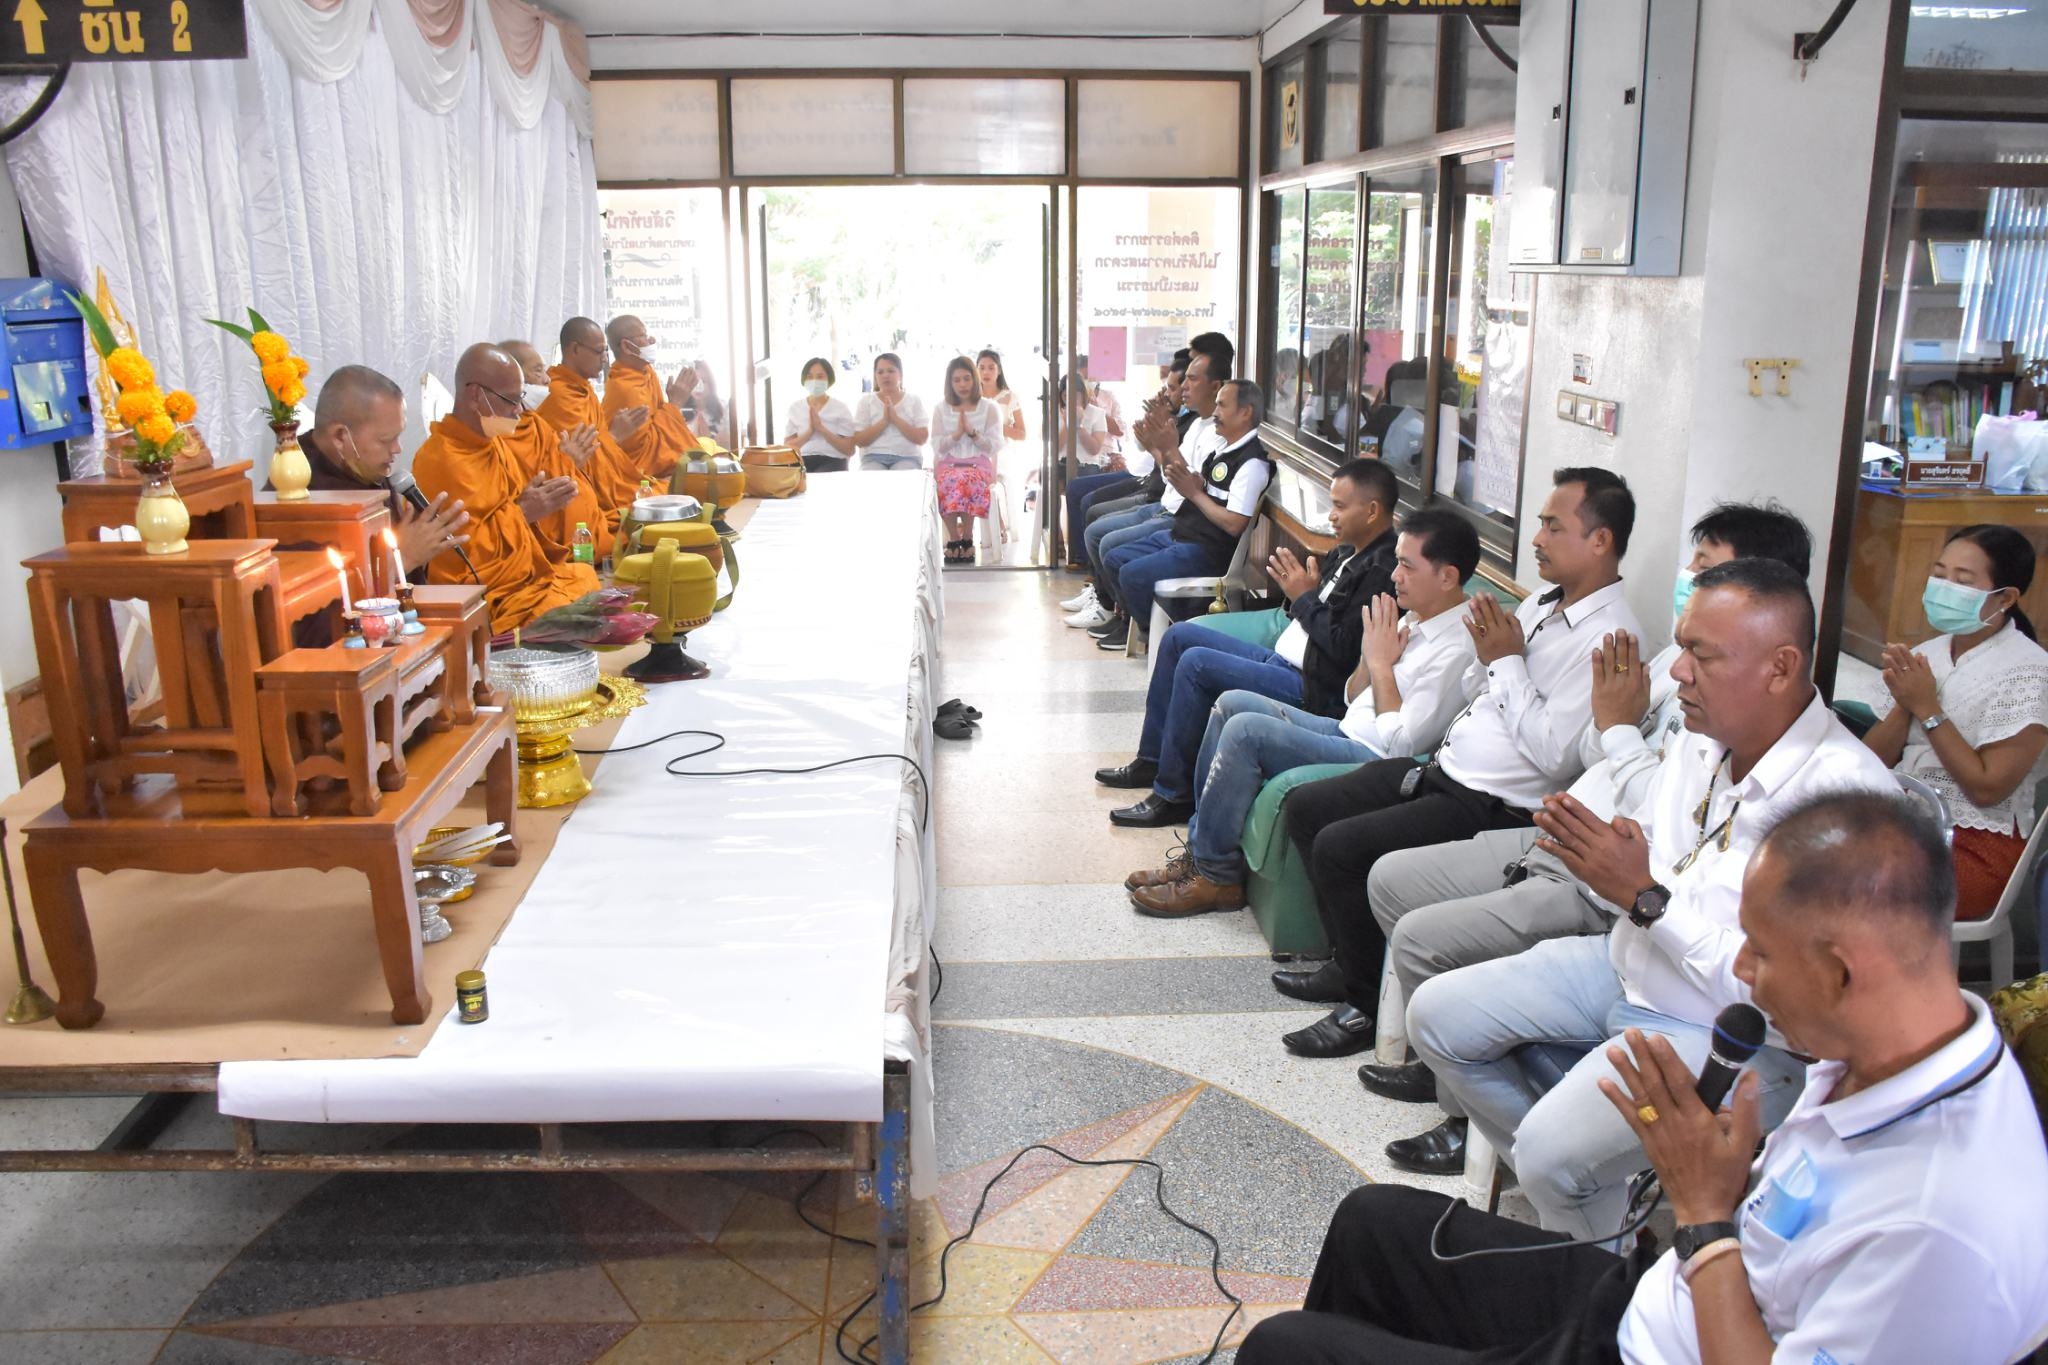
(955, 726)
(959, 707)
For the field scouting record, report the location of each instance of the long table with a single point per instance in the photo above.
(746, 947)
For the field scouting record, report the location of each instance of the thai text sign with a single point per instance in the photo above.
(46, 32)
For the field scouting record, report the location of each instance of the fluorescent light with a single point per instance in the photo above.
(1967, 11)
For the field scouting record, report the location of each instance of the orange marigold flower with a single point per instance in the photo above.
(277, 374)
(181, 405)
(128, 367)
(292, 394)
(299, 364)
(157, 429)
(270, 347)
(138, 405)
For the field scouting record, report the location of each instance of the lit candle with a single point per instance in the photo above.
(397, 568)
(340, 576)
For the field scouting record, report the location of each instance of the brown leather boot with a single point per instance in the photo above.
(1193, 894)
(1178, 865)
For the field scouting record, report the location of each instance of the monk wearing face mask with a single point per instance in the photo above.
(569, 402)
(665, 438)
(569, 450)
(479, 454)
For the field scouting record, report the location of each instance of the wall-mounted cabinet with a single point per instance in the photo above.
(1603, 122)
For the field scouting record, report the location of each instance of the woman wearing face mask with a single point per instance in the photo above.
(819, 425)
(1968, 710)
(890, 426)
(966, 434)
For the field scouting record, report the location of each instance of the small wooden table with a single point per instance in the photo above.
(466, 611)
(161, 827)
(295, 695)
(352, 522)
(219, 498)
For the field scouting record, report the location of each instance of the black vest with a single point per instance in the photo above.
(1217, 471)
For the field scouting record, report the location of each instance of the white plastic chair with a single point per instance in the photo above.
(1931, 799)
(1996, 927)
(1390, 1034)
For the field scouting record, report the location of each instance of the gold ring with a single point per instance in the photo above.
(1621, 668)
(1647, 1113)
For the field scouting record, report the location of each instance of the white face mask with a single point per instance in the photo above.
(534, 394)
(817, 388)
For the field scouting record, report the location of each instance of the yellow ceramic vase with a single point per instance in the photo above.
(160, 516)
(291, 474)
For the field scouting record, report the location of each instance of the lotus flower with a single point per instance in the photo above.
(595, 620)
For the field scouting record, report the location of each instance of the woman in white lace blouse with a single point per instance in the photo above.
(1968, 710)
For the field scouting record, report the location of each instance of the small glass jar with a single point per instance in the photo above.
(472, 1005)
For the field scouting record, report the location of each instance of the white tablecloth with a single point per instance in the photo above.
(719, 948)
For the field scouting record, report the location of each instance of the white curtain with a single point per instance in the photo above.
(365, 227)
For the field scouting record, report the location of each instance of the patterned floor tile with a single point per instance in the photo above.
(1124, 1338)
(198, 1348)
(1124, 987)
(80, 1348)
(1078, 1283)
(1001, 1091)
(521, 1344)
(721, 1343)
(703, 1286)
(962, 1191)
(584, 1295)
(767, 1237)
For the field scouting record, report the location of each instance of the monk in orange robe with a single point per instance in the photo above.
(479, 454)
(665, 438)
(567, 451)
(572, 404)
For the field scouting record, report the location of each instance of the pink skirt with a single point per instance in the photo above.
(963, 490)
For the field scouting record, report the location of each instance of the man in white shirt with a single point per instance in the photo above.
(1516, 741)
(1219, 498)
(1760, 739)
(1404, 692)
(1892, 1219)
(1453, 905)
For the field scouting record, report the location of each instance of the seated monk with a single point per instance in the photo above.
(568, 403)
(353, 446)
(469, 456)
(547, 448)
(665, 437)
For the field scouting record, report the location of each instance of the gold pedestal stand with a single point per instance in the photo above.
(30, 1004)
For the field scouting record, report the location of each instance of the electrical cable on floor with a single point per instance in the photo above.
(924, 818)
(938, 974)
(861, 1356)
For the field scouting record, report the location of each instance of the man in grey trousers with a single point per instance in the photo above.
(1453, 905)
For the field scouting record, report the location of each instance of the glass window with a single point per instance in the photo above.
(1482, 85)
(1483, 395)
(1283, 348)
(1153, 129)
(1286, 114)
(655, 129)
(1978, 37)
(1394, 337)
(984, 127)
(1404, 79)
(841, 125)
(1335, 133)
(1327, 409)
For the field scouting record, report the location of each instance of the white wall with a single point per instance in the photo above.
(1778, 187)
(30, 513)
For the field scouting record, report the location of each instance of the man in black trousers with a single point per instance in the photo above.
(1888, 1221)
(1531, 694)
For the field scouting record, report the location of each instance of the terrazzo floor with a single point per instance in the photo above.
(1064, 1019)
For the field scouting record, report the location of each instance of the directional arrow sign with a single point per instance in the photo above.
(30, 16)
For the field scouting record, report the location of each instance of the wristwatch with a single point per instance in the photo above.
(1649, 905)
(1693, 1236)
(1934, 722)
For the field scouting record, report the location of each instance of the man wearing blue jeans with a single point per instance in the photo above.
(1759, 740)
(1306, 666)
(1408, 686)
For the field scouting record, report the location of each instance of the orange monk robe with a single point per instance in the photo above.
(610, 472)
(522, 581)
(536, 450)
(666, 437)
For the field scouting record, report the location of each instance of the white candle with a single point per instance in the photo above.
(397, 567)
(340, 575)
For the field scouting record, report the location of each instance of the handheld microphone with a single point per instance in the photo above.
(1738, 1033)
(403, 484)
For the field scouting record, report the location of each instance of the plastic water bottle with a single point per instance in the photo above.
(583, 546)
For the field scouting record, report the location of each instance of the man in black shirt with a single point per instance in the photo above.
(1306, 667)
(358, 423)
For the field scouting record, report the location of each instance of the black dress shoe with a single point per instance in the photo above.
(1137, 773)
(1119, 636)
(1440, 1151)
(1343, 1031)
(1323, 986)
(1414, 1082)
(1154, 812)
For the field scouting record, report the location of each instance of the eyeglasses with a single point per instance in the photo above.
(518, 404)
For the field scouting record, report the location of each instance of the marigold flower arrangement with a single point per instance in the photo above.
(284, 374)
(157, 418)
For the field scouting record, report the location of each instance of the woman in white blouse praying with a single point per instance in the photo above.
(1968, 710)
(820, 426)
(995, 386)
(890, 426)
(966, 433)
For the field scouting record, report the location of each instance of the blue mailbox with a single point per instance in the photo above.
(45, 391)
